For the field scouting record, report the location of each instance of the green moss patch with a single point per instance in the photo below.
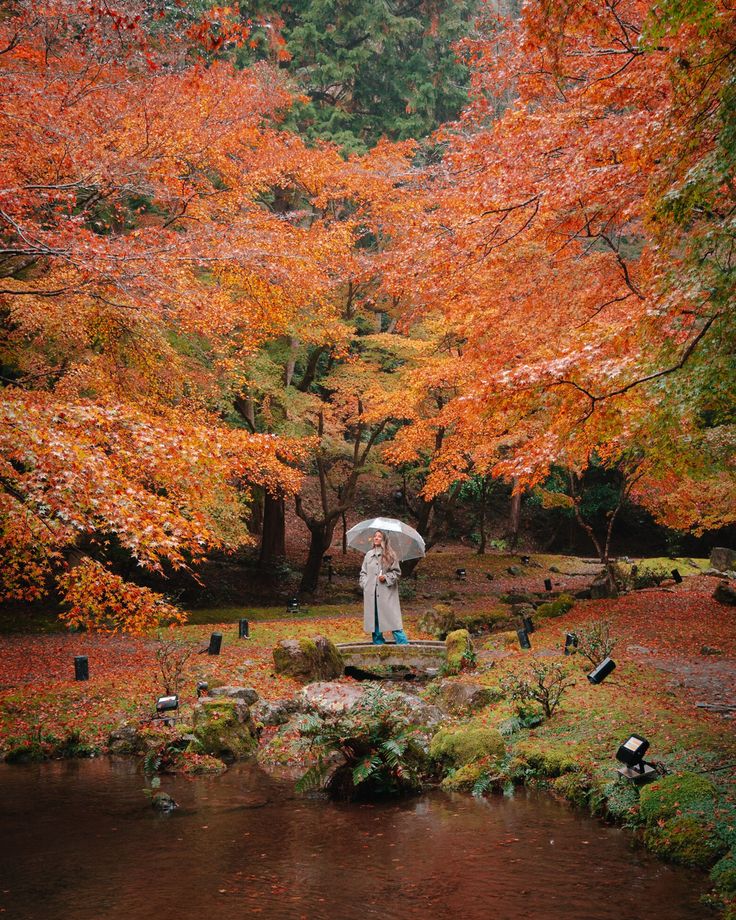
(686, 840)
(555, 608)
(465, 745)
(673, 795)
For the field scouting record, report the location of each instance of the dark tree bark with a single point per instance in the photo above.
(512, 533)
(273, 540)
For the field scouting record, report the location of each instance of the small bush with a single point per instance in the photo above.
(555, 608)
(543, 682)
(595, 641)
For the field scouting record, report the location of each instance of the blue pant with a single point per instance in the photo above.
(399, 634)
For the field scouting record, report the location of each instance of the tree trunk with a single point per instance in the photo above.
(273, 540)
(255, 518)
(320, 538)
(482, 516)
(512, 534)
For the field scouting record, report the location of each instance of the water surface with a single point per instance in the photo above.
(81, 842)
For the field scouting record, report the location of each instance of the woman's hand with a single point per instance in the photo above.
(382, 578)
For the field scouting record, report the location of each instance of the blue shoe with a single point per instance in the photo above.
(400, 637)
(378, 639)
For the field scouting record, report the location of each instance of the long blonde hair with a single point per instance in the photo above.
(388, 551)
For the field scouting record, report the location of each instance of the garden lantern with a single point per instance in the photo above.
(461, 574)
(528, 624)
(292, 605)
(215, 644)
(676, 575)
(547, 584)
(243, 629)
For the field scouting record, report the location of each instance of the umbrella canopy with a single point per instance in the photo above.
(406, 542)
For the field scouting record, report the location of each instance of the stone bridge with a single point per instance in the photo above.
(418, 659)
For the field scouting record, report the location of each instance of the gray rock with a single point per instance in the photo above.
(723, 559)
(725, 594)
(334, 698)
(555, 569)
(464, 696)
(124, 740)
(246, 694)
(315, 659)
(523, 610)
(515, 570)
(162, 801)
(275, 712)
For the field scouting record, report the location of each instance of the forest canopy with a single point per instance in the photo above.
(243, 244)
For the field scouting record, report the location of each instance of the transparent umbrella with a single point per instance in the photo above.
(406, 542)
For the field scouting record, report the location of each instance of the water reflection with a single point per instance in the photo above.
(86, 845)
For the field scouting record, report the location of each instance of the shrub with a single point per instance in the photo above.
(172, 658)
(543, 682)
(595, 641)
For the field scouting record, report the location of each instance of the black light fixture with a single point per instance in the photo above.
(292, 605)
(523, 638)
(398, 496)
(461, 574)
(525, 560)
(202, 688)
(490, 576)
(631, 754)
(676, 575)
(528, 624)
(215, 644)
(571, 643)
(547, 584)
(600, 673)
(167, 704)
(243, 628)
(81, 667)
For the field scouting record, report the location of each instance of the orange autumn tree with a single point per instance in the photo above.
(577, 236)
(137, 259)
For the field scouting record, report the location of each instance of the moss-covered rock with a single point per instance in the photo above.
(466, 744)
(438, 622)
(723, 874)
(224, 729)
(481, 621)
(686, 840)
(547, 760)
(462, 696)
(556, 608)
(467, 778)
(673, 795)
(308, 659)
(574, 787)
(460, 653)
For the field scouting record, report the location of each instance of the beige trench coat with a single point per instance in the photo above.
(389, 609)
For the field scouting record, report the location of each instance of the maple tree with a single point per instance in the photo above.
(137, 260)
(560, 239)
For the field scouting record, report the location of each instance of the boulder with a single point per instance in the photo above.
(162, 801)
(603, 585)
(308, 660)
(463, 696)
(515, 570)
(725, 593)
(514, 597)
(246, 695)
(275, 712)
(438, 621)
(224, 728)
(330, 698)
(723, 559)
(125, 740)
(334, 698)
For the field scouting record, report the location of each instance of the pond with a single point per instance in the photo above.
(81, 841)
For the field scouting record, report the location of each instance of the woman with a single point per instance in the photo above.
(379, 579)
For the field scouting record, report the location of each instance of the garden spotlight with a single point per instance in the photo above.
(600, 673)
(631, 754)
